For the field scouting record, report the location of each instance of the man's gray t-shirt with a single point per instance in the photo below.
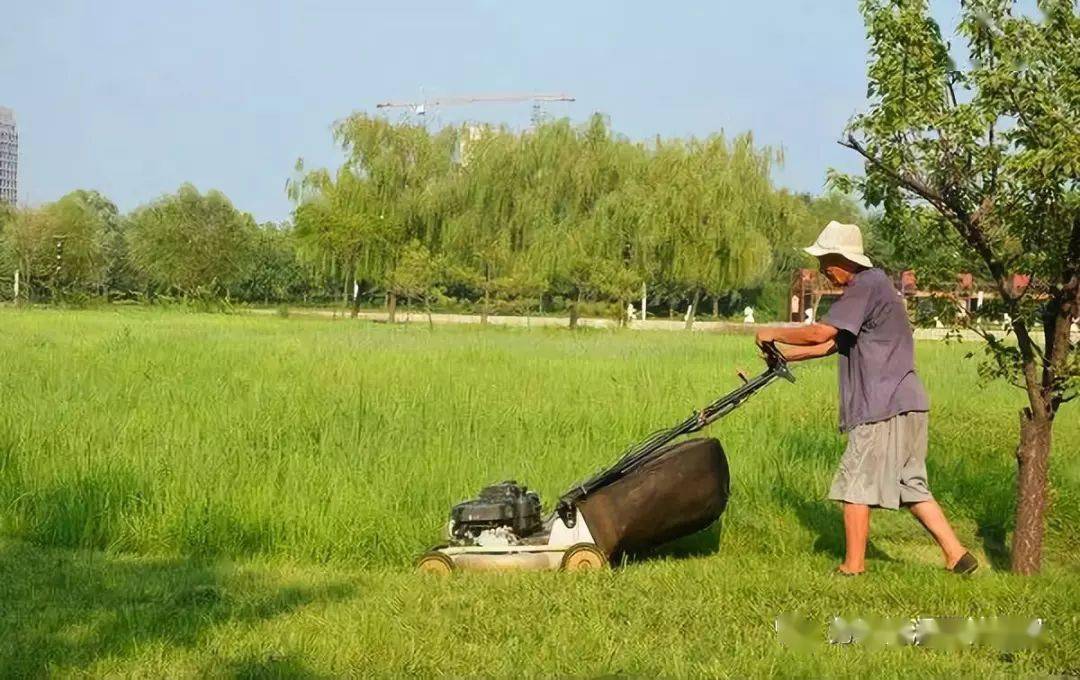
(876, 352)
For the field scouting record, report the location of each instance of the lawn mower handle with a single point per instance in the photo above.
(775, 360)
(640, 453)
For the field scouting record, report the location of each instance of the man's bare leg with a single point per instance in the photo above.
(856, 532)
(929, 513)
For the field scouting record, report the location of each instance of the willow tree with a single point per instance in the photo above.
(486, 232)
(576, 210)
(418, 275)
(624, 245)
(525, 204)
(989, 151)
(407, 173)
(338, 228)
(558, 241)
(712, 203)
(590, 243)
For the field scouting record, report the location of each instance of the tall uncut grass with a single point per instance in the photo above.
(199, 435)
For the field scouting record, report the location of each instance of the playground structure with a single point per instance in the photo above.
(809, 288)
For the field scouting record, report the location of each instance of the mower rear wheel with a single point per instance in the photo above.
(583, 557)
(436, 563)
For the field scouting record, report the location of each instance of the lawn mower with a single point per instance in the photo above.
(658, 490)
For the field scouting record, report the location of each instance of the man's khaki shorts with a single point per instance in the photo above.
(884, 464)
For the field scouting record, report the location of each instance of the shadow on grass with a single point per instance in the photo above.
(992, 534)
(700, 544)
(62, 609)
(982, 491)
(826, 521)
(986, 493)
(796, 492)
(272, 667)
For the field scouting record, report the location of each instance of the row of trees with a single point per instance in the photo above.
(574, 212)
(187, 245)
(558, 215)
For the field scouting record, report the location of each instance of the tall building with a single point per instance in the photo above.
(9, 157)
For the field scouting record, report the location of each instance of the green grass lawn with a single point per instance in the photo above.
(228, 496)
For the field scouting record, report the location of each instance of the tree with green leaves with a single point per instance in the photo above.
(407, 176)
(418, 275)
(340, 229)
(191, 243)
(713, 202)
(273, 272)
(120, 277)
(577, 211)
(989, 153)
(484, 234)
(58, 246)
(591, 238)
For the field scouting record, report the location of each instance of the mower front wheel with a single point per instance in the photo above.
(583, 557)
(435, 563)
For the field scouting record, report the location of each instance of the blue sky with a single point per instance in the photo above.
(134, 98)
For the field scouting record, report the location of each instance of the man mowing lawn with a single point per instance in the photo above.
(883, 406)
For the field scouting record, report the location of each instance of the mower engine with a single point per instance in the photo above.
(504, 514)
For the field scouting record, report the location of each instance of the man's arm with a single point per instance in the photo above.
(804, 352)
(802, 336)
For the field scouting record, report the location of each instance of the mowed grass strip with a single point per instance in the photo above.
(83, 614)
(191, 495)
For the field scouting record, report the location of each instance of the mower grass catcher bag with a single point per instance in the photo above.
(682, 490)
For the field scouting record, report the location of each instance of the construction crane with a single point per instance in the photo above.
(421, 108)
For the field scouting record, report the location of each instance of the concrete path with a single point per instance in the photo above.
(727, 327)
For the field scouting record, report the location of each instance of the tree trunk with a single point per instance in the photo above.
(693, 310)
(1033, 461)
(574, 311)
(356, 298)
(716, 307)
(1041, 373)
(427, 308)
(484, 309)
(391, 307)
